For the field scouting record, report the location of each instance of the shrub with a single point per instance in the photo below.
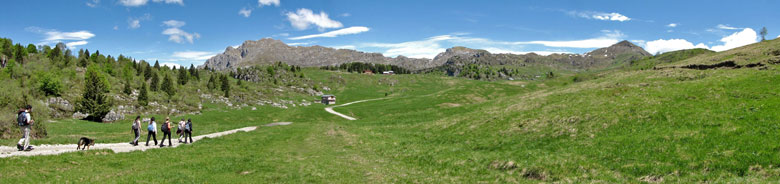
(50, 84)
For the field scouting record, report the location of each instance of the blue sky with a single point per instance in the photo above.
(190, 31)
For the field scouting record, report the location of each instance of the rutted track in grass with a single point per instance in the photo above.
(57, 149)
(330, 109)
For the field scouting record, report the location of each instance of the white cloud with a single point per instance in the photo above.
(171, 65)
(345, 31)
(661, 45)
(609, 38)
(52, 36)
(281, 34)
(430, 47)
(174, 23)
(76, 43)
(738, 39)
(351, 47)
(133, 3)
(345, 15)
(303, 18)
(93, 3)
(261, 3)
(672, 25)
(245, 12)
(116, 27)
(137, 3)
(135, 22)
(505, 51)
(178, 35)
(600, 15)
(193, 55)
(56, 36)
(727, 27)
(300, 43)
(778, 36)
(180, 2)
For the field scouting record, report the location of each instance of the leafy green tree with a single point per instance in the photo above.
(31, 48)
(6, 47)
(143, 98)
(155, 84)
(19, 53)
(50, 84)
(167, 86)
(94, 101)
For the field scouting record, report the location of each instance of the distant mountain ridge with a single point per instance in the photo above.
(267, 51)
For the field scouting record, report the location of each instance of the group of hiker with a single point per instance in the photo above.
(184, 131)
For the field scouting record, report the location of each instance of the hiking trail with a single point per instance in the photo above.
(7, 151)
(330, 109)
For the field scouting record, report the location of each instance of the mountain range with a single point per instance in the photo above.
(268, 51)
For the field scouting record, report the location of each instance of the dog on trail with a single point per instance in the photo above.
(85, 143)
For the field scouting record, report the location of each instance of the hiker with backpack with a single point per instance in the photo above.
(166, 128)
(136, 130)
(188, 131)
(152, 128)
(25, 121)
(180, 129)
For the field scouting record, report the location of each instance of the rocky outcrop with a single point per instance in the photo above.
(267, 51)
(454, 59)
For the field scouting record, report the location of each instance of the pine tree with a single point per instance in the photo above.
(183, 76)
(155, 84)
(211, 85)
(148, 73)
(143, 98)
(156, 64)
(167, 86)
(94, 101)
(225, 86)
(127, 90)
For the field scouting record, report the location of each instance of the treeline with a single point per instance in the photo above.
(483, 72)
(362, 67)
(40, 72)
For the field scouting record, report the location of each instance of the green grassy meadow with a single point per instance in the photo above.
(619, 126)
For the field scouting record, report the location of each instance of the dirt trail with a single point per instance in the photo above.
(6, 151)
(330, 109)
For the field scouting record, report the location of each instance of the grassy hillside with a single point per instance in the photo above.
(672, 125)
(52, 80)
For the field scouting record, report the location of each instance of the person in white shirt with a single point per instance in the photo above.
(25, 123)
(136, 130)
(180, 129)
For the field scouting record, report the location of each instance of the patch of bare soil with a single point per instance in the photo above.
(449, 105)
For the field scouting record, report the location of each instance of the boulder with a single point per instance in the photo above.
(113, 116)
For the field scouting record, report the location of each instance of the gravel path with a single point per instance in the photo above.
(330, 109)
(6, 151)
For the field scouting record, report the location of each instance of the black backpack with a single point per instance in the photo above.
(165, 127)
(22, 119)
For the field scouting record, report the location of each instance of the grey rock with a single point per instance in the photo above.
(113, 116)
(79, 115)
